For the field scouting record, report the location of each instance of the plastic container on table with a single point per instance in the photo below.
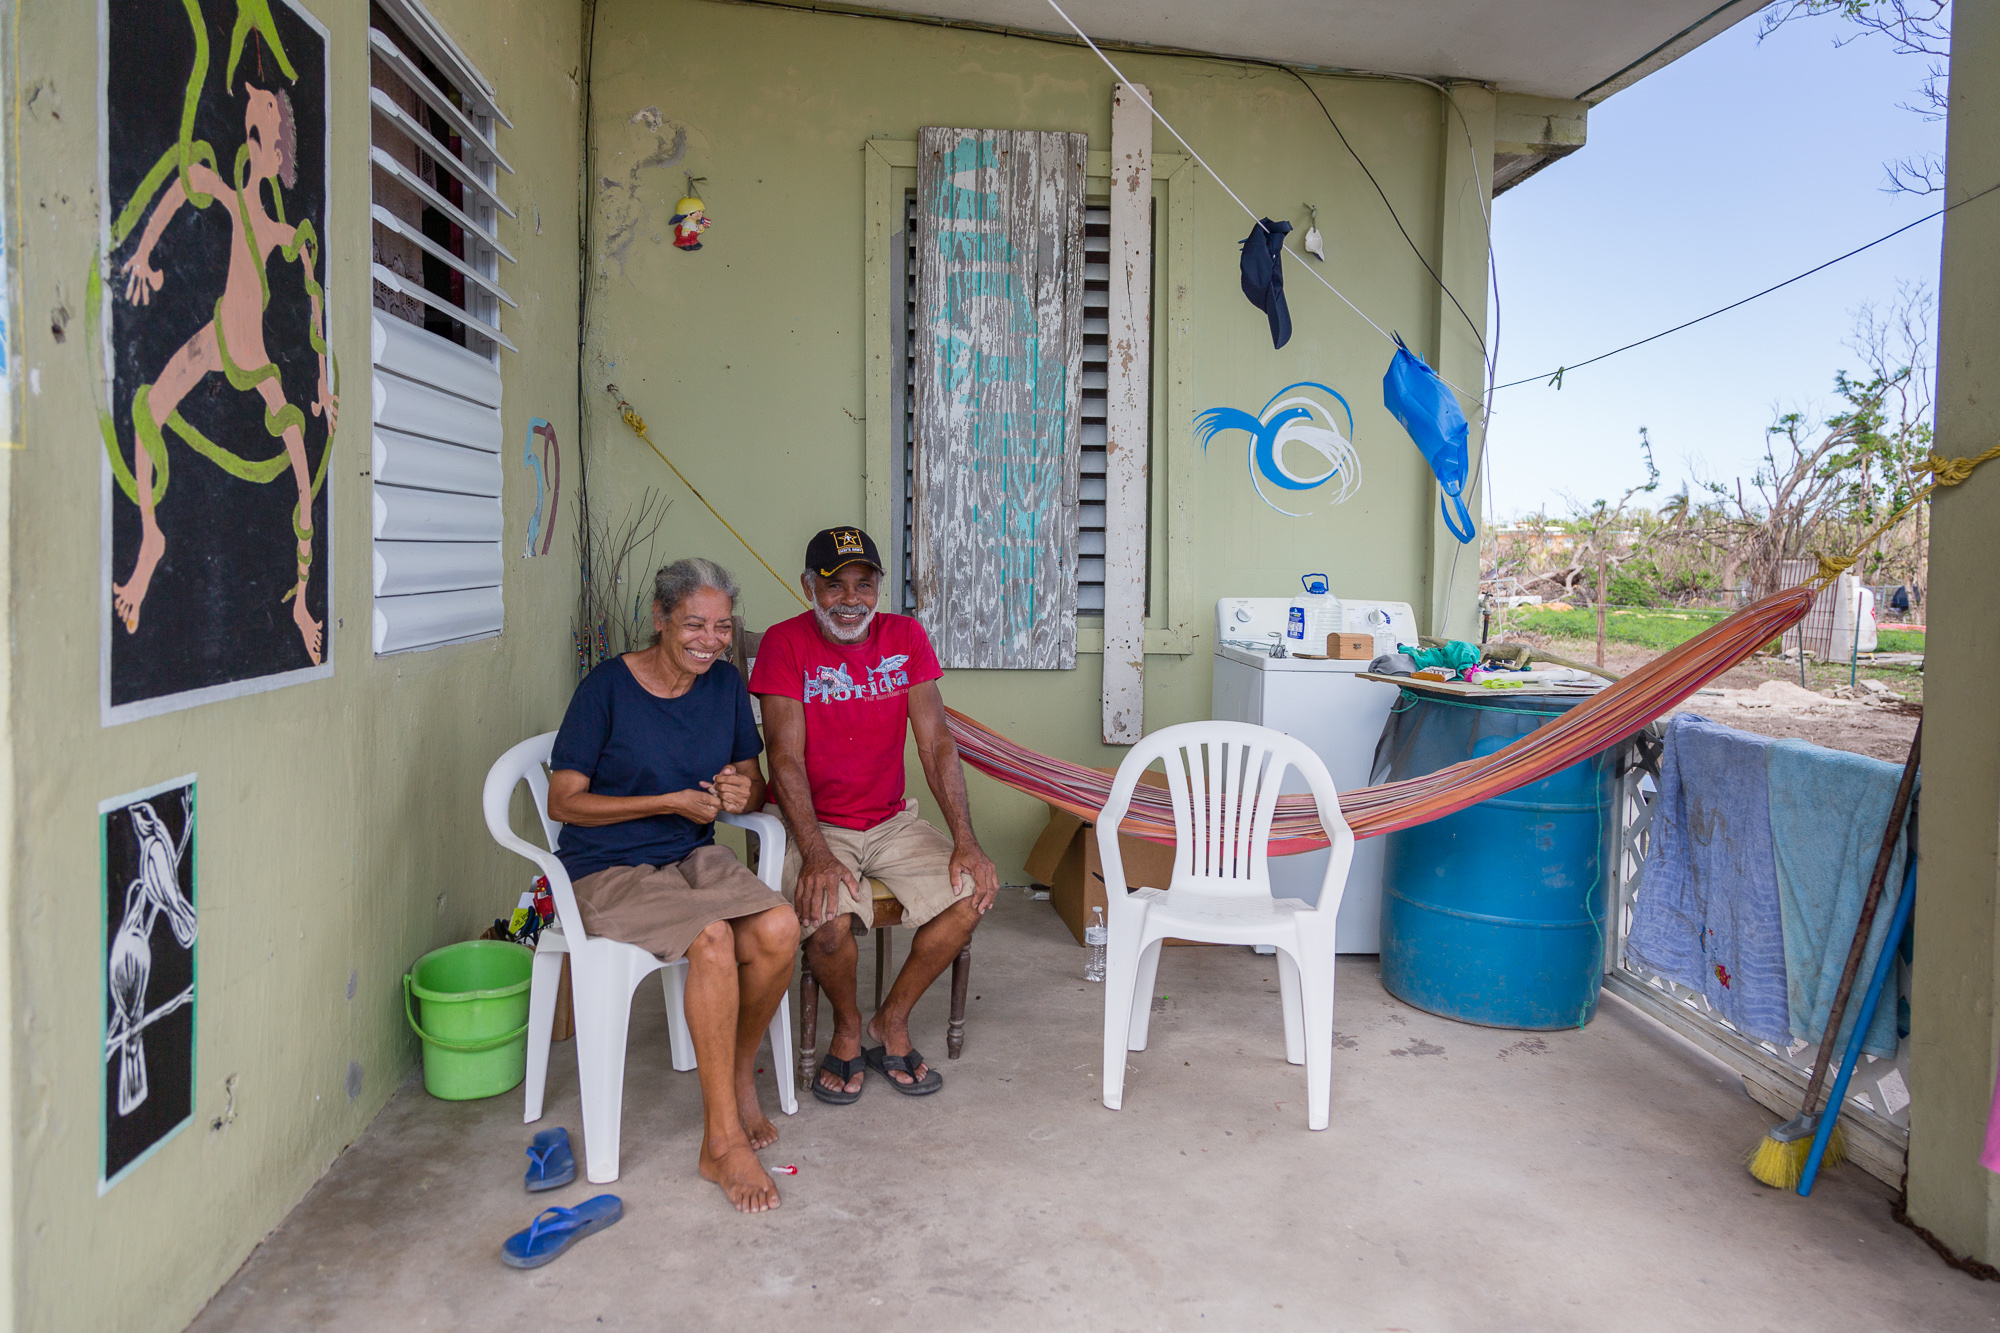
(1497, 914)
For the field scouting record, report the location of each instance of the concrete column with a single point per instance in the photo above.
(1953, 1029)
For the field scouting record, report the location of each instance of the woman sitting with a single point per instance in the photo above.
(654, 744)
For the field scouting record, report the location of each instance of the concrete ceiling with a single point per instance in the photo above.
(1580, 49)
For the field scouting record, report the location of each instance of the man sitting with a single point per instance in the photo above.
(838, 684)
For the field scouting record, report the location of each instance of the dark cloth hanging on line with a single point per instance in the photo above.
(1264, 276)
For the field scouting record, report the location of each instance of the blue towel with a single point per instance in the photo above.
(1707, 914)
(1828, 808)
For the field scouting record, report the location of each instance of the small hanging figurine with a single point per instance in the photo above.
(1314, 243)
(690, 217)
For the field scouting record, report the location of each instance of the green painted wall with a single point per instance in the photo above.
(1953, 1026)
(339, 820)
(747, 356)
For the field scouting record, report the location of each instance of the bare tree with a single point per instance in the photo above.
(1892, 401)
(614, 603)
(1825, 483)
(1914, 28)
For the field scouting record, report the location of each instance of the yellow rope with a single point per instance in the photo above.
(1944, 472)
(638, 425)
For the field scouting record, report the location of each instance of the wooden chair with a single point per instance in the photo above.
(888, 912)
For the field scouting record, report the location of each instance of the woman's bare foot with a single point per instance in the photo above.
(741, 1176)
(756, 1124)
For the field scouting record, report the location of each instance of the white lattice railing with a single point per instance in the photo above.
(1878, 1098)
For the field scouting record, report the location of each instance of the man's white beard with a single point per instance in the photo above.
(831, 628)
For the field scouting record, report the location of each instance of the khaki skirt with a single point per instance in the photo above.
(663, 908)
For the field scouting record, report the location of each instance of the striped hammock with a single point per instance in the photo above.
(1608, 717)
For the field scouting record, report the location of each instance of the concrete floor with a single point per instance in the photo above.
(1473, 1179)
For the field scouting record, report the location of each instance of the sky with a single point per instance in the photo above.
(1737, 166)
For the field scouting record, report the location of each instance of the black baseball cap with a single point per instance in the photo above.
(835, 549)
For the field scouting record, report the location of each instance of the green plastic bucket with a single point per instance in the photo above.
(475, 1017)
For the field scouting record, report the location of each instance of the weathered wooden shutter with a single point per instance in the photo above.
(999, 381)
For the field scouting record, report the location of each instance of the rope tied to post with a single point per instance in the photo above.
(1944, 472)
(637, 423)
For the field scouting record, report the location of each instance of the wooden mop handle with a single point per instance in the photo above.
(1829, 1041)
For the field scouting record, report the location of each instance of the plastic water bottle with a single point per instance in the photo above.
(1095, 937)
(1315, 613)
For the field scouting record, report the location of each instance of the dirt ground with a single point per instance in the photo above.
(1763, 696)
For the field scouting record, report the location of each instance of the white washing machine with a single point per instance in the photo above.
(1326, 705)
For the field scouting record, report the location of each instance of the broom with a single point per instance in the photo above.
(1780, 1156)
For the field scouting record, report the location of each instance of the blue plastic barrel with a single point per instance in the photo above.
(1497, 914)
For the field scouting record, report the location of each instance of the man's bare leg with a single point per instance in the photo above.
(766, 944)
(184, 369)
(932, 949)
(712, 1011)
(832, 954)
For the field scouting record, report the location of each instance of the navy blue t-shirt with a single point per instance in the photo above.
(629, 742)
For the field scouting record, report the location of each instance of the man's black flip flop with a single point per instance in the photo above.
(842, 1070)
(881, 1061)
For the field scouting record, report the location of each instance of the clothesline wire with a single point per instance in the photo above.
(1487, 361)
(1478, 334)
(1555, 376)
(1295, 257)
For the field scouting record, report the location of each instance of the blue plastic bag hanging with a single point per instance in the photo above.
(1416, 397)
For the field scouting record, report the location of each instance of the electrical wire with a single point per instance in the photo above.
(1154, 51)
(1295, 257)
(586, 236)
(1555, 377)
(1487, 361)
(1161, 52)
(1479, 335)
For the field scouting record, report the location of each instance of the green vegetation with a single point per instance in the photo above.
(1899, 641)
(1657, 628)
(1648, 628)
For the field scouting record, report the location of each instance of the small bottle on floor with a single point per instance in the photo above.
(1095, 936)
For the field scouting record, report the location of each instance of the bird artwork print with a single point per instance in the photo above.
(1300, 419)
(155, 892)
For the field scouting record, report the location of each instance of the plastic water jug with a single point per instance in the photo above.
(1315, 614)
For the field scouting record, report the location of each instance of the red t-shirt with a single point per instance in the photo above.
(857, 701)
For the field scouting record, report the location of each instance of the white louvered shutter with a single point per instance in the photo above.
(435, 335)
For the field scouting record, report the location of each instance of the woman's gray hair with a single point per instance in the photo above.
(676, 582)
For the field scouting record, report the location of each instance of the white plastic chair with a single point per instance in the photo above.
(603, 972)
(1224, 779)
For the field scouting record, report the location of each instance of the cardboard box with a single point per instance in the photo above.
(1351, 647)
(1065, 859)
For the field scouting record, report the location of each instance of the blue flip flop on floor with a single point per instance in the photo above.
(550, 1163)
(556, 1229)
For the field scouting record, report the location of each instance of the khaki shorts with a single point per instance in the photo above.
(662, 908)
(909, 856)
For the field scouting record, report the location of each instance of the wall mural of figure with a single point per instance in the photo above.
(216, 322)
(147, 846)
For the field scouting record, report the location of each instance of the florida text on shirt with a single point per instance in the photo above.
(833, 684)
